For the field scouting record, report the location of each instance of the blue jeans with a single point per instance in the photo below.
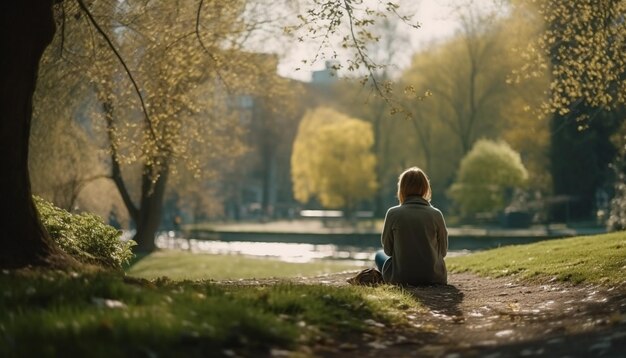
(380, 259)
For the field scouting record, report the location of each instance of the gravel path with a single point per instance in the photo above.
(494, 317)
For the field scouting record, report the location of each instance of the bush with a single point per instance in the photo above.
(85, 236)
(487, 177)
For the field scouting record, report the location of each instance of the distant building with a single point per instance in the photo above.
(328, 75)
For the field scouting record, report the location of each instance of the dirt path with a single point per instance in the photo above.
(482, 317)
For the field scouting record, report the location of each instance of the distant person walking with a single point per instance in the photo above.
(414, 237)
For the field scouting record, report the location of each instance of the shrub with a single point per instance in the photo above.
(85, 236)
(489, 172)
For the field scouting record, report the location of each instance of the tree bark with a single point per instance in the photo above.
(27, 27)
(151, 209)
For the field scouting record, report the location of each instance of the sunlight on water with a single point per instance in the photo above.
(288, 252)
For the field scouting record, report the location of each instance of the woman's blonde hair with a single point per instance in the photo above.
(413, 181)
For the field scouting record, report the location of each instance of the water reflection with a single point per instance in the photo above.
(288, 252)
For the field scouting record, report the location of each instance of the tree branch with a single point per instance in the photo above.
(116, 171)
(93, 21)
(211, 55)
(366, 61)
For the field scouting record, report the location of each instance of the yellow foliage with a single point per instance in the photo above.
(486, 172)
(332, 159)
(583, 43)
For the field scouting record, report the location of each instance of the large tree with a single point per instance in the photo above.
(332, 160)
(582, 45)
(27, 28)
(467, 76)
(183, 106)
(462, 89)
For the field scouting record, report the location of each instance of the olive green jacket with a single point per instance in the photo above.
(416, 238)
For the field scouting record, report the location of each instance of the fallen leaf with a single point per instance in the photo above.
(371, 322)
(347, 346)
(504, 333)
(107, 303)
(400, 339)
(377, 345)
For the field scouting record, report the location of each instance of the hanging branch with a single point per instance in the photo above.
(93, 21)
(369, 64)
(62, 30)
(211, 55)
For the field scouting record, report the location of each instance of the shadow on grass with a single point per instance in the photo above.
(440, 299)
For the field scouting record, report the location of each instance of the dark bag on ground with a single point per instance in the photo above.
(367, 277)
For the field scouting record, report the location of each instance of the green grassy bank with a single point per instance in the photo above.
(599, 259)
(104, 314)
(184, 265)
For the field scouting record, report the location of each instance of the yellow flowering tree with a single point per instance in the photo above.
(332, 160)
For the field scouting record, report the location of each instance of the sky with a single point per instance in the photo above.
(438, 21)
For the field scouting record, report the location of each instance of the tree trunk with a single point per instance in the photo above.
(579, 162)
(150, 209)
(268, 176)
(27, 27)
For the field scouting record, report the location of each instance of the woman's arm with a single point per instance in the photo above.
(387, 235)
(442, 236)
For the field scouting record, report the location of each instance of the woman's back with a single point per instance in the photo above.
(416, 238)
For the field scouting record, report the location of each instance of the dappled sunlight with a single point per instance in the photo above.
(182, 178)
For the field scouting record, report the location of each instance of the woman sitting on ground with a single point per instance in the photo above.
(414, 238)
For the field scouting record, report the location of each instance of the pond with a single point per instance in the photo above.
(284, 251)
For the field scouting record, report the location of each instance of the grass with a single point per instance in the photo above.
(47, 314)
(184, 265)
(53, 313)
(599, 259)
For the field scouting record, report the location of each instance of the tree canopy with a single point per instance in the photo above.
(486, 173)
(332, 160)
(583, 47)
